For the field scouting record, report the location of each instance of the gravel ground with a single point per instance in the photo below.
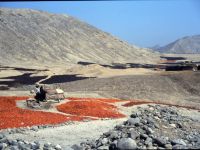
(68, 135)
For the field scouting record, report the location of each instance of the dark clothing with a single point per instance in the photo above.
(40, 96)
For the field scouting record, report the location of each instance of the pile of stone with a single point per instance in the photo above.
(155, 127)
(18, 144)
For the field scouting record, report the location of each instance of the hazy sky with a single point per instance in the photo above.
(144, 23)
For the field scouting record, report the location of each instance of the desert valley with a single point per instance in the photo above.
(116, 95)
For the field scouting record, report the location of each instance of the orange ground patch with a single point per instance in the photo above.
(136, 102)
(91, 107)
(95, 99)
(12, 117)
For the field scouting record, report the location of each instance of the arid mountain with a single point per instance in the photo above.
(185, 45)
(31, 36)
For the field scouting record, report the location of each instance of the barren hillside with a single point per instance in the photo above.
(185, 45)
(31, 37)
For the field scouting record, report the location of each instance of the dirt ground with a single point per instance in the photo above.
(181, 87)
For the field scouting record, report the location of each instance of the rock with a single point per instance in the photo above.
(34, 146)
(24, 146)
(37, 143)
(119, 127)
(161, 141)
(133, 121)
(161, 148)
(34, 128)
(92, 143)
(113, 146)
(148, 141)
(107, 133)
(148, 130)
(173, 125)
(25, 142)
(177, 146)
(156, 125)
(168, 146)
(47, 144)
(134, 115)
(143, 147)
(126, 144)
(103, 147)
(77, 147)
(2, 136)
(133, 134)
(179, 125)
(3, 146)
(124, 135)
(14, 142)
(150, 147)
(4, 140)
(143, 136)
(58, 147)
(114, 135)
(14, 148)
(179, 142)
(104, 141)
(150, 120)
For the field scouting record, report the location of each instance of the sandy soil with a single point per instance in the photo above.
(96, 70)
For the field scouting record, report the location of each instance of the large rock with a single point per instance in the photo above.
(133, 134)
(3, 146)
(77, 147)
(161, 141)
(126, 144)
(178, 141)
(133, 121)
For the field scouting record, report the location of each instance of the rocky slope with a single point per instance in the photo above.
(156, 127)
(185, 45)
(31, 36)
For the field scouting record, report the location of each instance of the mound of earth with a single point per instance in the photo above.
(96, 70)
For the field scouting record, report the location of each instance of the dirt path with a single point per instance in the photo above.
(70, 134)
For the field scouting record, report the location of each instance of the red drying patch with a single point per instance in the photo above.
(95, 99)
(136, 102)
(90, 107)
(12, 117)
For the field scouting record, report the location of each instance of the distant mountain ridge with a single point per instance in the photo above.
(185, 45)
(31, 36)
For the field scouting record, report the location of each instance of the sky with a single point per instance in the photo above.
(144, 23)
